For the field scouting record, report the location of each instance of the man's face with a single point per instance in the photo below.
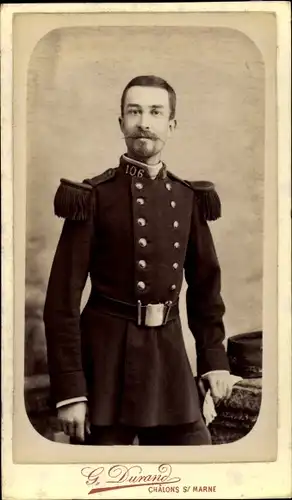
(145, 122)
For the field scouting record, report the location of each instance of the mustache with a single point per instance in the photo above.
(145, 135)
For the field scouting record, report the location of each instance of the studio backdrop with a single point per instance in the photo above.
(75, 80)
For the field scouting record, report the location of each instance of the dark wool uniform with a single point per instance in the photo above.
(134, 236)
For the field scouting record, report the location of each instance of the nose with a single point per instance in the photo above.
(144, 121)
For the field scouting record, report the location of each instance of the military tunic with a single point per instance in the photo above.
(135, 237)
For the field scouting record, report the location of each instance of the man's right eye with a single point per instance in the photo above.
(133, 111)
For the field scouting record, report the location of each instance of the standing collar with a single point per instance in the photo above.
(135, 168)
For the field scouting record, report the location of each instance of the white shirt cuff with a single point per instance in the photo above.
(79, 399)
(214, 371)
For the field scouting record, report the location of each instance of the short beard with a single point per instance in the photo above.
(142, 151)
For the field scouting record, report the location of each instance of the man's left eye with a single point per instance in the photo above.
(156, 112)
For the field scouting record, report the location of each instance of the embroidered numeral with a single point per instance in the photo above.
(133, 171)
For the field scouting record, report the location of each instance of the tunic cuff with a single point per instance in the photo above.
(212, 360)
(68, 385)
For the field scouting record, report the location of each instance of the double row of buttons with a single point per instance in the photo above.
(143, 242)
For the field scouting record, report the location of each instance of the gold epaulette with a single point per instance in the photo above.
(206, 195)
(76, 200)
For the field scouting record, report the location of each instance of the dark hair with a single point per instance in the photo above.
(151, 81)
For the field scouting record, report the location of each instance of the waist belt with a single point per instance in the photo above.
(145, 315)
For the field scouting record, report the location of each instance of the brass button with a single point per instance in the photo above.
(139, 185)
(142, 242)
(141, 285)
(168, 186)
(173, 287)
(175, 265)
(141, 222)
(176, 244)
(175, 224)
(173, 204)
(140, 201)
(142, 263)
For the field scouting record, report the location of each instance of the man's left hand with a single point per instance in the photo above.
(220, 385)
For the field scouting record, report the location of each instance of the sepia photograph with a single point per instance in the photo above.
(145, 302)
(145, 177)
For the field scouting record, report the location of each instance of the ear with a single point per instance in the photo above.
(121, 122)
(172, 126)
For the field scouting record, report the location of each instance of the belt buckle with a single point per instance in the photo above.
(156, 314)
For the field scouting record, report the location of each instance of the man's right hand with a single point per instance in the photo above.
(74, 420)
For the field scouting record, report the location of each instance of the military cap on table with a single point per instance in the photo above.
(237, 416)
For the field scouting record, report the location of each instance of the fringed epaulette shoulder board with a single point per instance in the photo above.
(206, 195)
(208, 199)
(76, 200)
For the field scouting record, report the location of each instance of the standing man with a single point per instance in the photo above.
(120, 369)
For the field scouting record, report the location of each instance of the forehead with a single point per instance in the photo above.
(147, 96)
